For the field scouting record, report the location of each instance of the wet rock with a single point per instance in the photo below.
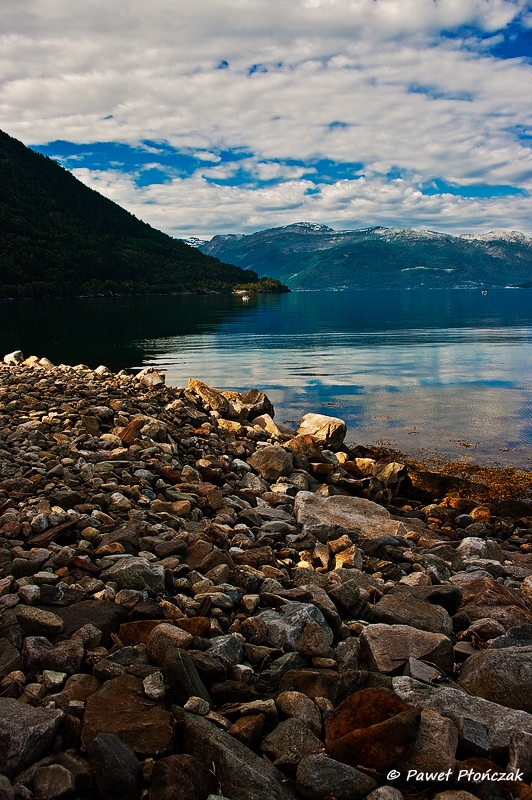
(351, 513)
(115, 768)
(36, 621)
(140, 723)
(53, 782)
(271, 462)
(241, 773)
(388, 647)
(499, 676)
(372, 728)
(318, 777)
(327, 430)
(181, 777)
(26, 734)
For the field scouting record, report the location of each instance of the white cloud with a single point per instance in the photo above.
(408, 100)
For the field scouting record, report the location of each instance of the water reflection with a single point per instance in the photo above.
(424, 370)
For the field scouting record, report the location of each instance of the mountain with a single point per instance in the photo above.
(60, 238)
(310, 256)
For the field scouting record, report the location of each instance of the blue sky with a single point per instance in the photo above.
(229, 116)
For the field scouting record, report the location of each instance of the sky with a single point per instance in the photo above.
(231, 116)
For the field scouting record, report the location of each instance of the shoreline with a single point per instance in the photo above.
(184, 583)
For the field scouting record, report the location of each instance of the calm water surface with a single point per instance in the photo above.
(445, 372)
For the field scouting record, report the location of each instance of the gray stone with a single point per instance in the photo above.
(286, 625)
(355, 514)
(500, 675)
(154, 686)
(228, 649)
(289, 742)
(26, 734)
(346, 595)
(166, 637)
(393, 610)
(242, 774)
(53, 782)
(500, 722)
(135, 573)
(387, 648)
(314, 641)
(32, 651)
(7, 792)
(66, 657)
(318, 776)
(520, 755)
(37, 622)
(474, 739)
(183, 677)
(115, 768)
(520, 636)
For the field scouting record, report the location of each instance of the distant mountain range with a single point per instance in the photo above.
(60, 238)
(310, 256)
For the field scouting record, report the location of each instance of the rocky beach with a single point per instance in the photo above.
(197, 603)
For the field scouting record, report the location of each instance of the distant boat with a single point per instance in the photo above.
(484, 292)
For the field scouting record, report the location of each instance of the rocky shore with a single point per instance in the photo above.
(196, 603)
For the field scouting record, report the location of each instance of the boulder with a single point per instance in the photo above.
(181, 777)
(53, 782)
(387, 648)
(271, 462)
(120, 707)
(299, 706)
(485, 597)
(393, 609)
(435, 747)
(327, 430)
(354, 514)
(284, 627)
(318, 776)
(242, 774)
(372, 728)
(26, 734)
(500, 722)
(289, 742)
(115, 768)
(135, 573)
(499, 675)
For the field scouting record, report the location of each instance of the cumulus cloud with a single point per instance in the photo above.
(408, 89)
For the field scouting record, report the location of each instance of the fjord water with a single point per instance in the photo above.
(444, 372)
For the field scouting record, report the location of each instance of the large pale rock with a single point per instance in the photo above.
(352, 513)
(500, 722)
(241, 773)
(500, 675)
(284, 627)
(387, 648)
(211, 397)
(38, 622)
(26, 734)
(135, 573)
(121, 707)
(327, 430)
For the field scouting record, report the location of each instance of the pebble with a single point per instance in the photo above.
(287, 594)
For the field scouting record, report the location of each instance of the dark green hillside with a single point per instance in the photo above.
(309, 256)
(60, 238)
